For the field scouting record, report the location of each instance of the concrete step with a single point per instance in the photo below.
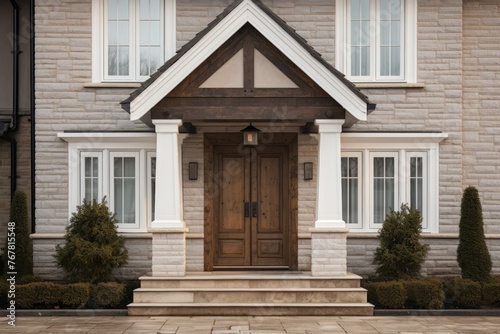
(251, 280)
(251, 295)
(236, 309)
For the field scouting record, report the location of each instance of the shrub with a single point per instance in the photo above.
(28, 279)
(4, 289)
(24, 245)
(391, 294)
(400, 254)
(75, 295)
(47, 293)
(107, 294)
(463, 293)
(472, 253)
(424, 293)
(25, 296)
(93, 248)
(491, 293)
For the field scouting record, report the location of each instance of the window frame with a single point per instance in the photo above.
(105, 144)
(370, 165)
(112, 156)
(404, 146)
(90, 154)
(359, 156)
(409, 38)
(99, 41)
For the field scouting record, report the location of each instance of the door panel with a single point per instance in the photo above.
(251, 218)
(232, 228)
(270, 191)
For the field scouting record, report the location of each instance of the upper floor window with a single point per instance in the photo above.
(131, 38)
(376, 40)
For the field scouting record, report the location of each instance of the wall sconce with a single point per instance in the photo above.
(308, 171)
(193, 171)
(250, 135)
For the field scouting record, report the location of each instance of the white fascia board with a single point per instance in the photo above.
(247, 11)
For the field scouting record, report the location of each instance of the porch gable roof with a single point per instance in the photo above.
(281, 35)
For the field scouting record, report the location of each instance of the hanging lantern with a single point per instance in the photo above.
(250, 135)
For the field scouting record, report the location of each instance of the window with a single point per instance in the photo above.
(383, 187)
(380, 171)
(124, 186)
(116, 166)
(351, 192)
(131, 38)
(91, 176)
(152, 184)
(376, 40)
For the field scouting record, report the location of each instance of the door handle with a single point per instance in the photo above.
(254, 209)
(247, 209)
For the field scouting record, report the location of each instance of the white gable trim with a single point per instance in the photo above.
(247, 12)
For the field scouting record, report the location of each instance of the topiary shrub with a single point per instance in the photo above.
(491, 293)
(388, 295)
(107, 294)
(400, 254)
(47, 293)
(424, 293)
(463, 293)
(75, 295)
(25, 296)
(472, 253)
(21, 234)
(93, 248)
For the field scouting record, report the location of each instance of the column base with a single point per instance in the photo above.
(169, 252)
(329, 251)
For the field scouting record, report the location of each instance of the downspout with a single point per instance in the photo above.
(15, 100)
(32, 110)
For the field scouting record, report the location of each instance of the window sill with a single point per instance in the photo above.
(112, 85)
(383, 85)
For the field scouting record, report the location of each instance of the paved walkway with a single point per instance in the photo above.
(254, 325)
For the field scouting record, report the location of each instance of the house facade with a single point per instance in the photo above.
(361, 105)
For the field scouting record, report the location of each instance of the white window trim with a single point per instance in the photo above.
(99, 36)
(135, 155)
(97, 155)
(79, 143)
(358, 155)
(405, 144)
(149, 190)
(425, 185)
(409, 67)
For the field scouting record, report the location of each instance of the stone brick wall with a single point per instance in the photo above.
(481, 105)
(458, 65)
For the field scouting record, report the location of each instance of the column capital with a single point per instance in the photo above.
(329, 125)
(167, 125)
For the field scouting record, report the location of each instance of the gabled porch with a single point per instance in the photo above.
(260, 72)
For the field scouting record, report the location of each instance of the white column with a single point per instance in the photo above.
(168, 228)
(168, 197)
(329, 193)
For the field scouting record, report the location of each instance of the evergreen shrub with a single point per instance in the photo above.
(26, 296)
(107, 294)
(47, 294)
(491, 293)
(387, 295)
(400, 254)
(93, 247)
(425, 293)
(23, 243)
(75, 295)
(463, 293)
(472, 253)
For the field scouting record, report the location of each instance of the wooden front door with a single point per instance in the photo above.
(252, 213)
